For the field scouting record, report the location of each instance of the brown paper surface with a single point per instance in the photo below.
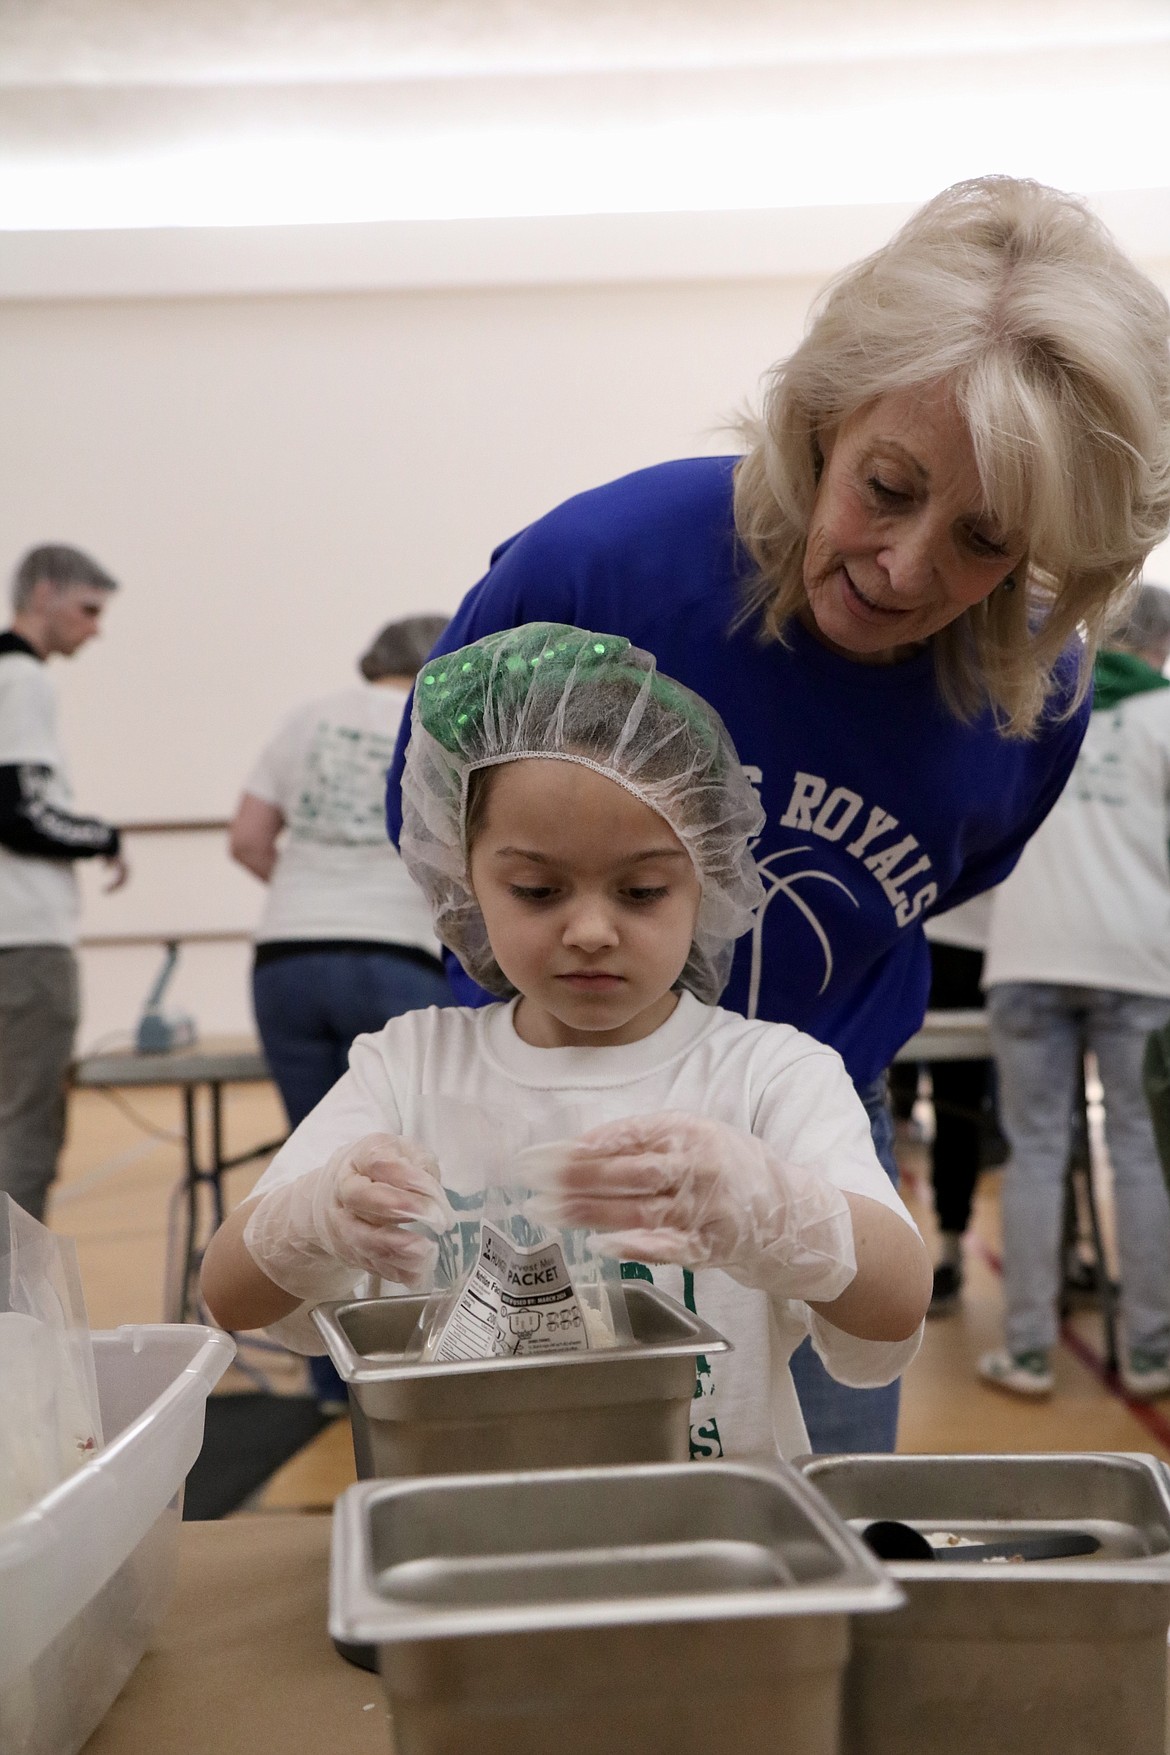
(242, 1663)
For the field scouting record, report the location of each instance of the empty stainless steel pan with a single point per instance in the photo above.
(619, 1405)
(1031, 1657)
(680, 1608)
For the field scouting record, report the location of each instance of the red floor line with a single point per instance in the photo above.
(1144, 1413)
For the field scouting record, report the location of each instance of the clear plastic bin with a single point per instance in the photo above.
(85, 1574)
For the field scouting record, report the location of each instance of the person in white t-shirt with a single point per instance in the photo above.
(345, 940)
(581, 826)
(59, 596)
(1079, 958)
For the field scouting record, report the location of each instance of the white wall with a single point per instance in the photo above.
(272, 478)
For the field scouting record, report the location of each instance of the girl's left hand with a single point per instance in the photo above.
(683, 1188)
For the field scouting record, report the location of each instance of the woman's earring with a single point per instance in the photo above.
(1009, 584)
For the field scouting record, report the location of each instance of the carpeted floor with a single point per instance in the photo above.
(246, 1439)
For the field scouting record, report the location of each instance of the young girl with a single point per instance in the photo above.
(581, 827)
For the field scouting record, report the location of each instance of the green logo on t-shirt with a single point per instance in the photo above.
(705, 1439)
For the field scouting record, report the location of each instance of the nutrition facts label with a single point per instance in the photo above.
(516, 1300)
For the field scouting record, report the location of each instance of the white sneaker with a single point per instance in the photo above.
(1022, 1373)
(1145, 1375)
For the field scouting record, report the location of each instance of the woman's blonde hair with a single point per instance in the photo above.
(1056, 349)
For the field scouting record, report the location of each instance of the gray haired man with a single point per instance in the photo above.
(58, 596)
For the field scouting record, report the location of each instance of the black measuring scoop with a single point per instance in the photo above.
(891, 1540)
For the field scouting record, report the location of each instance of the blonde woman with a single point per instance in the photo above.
(891, 600)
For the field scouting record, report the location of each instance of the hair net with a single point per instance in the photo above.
(544, 689)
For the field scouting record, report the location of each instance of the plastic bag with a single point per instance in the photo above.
(48, 1387)
(505, 1283)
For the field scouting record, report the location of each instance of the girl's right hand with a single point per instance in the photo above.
(357, 1211)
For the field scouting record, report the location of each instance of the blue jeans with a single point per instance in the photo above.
(310, 1006)
(1039, 1032)
(839, 1418)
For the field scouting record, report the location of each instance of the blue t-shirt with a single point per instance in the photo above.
(882, 808)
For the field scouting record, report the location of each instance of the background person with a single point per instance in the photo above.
(965, 460)
(1079, 958)
(58, 598)
(345, 940)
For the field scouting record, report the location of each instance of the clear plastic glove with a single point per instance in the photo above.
(309, 1235)
(681, 1188)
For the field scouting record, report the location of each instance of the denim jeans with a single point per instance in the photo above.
(311, 1005)
(1039, 1032)
(839, 1418)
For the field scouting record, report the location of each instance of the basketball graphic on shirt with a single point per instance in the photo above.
(785, 884)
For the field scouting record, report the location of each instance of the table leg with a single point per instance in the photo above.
(200, 1218)
(214, 1175)
(1083, 1213)
(190, 1205)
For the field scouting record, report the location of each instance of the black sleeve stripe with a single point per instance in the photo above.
(31, 824)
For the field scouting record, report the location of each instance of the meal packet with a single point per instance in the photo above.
(507, 1284)
(48, 1387)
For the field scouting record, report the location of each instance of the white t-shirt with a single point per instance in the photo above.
(337, 875)
(463, 1083)
(1089, 902)
(967, 927)
(39, 903)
